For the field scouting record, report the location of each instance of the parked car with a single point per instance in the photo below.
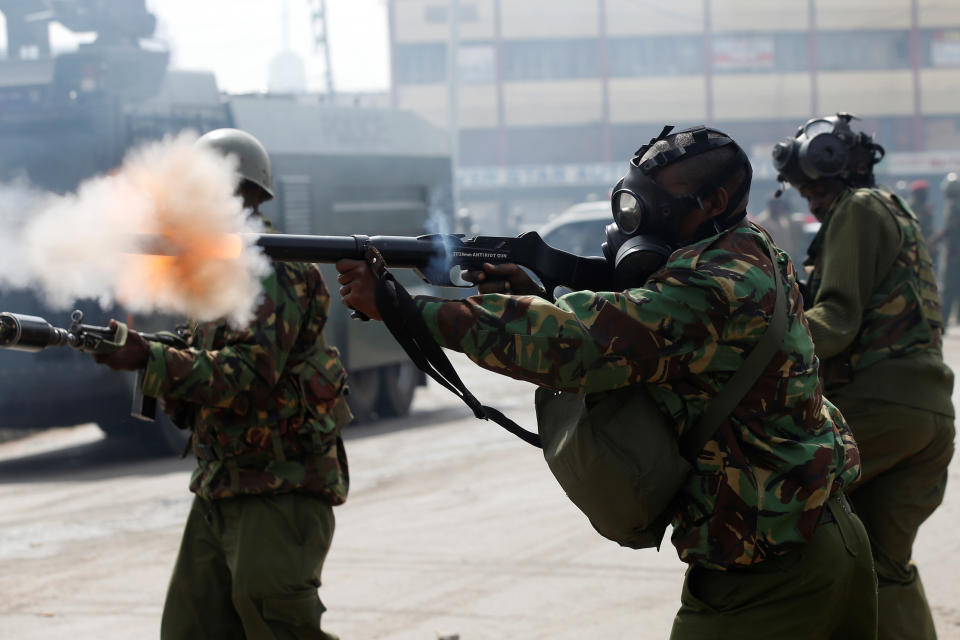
(579, 229)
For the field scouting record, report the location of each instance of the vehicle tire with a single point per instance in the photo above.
(160, 437)
(165, 437)
(364, 392)
(398, 382)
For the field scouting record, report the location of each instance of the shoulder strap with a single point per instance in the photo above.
(694, 440)
(403, 319)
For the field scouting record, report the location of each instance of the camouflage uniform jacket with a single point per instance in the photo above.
(876, 317)
(265, 403)
(759, 484)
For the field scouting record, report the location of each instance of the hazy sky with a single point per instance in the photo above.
(236, 39)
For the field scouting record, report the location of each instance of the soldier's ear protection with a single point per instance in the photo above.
(826, 148)
(646, 216)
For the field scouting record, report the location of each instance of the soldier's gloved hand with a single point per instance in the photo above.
(132, 356)
(358, 287)
(503, 278)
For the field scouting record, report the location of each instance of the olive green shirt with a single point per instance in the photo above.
(853, 256)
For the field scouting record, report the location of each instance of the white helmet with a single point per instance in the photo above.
(253, 161)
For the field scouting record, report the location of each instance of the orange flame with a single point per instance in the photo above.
(171, 200)
(187, 260)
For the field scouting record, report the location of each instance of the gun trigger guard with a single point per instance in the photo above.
(375, 259)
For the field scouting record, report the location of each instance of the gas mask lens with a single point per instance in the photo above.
(816, 127)
(628, 212)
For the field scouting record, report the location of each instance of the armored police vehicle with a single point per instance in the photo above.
(337, 171)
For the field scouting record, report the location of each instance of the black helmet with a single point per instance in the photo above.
(827, 148)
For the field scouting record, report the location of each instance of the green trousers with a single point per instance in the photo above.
(249, 567)
(904, 455)
(823, 590)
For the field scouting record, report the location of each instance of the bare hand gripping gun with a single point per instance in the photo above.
(20, 332)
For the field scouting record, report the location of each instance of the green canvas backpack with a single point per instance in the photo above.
(619, 458)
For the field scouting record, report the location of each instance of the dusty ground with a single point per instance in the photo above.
(452, 527)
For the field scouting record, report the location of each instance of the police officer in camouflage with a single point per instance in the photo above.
(876, 322)
(772, 548)
(265, 405)
(949, 239)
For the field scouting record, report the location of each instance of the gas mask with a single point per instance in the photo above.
(647, 217)
(827, 148)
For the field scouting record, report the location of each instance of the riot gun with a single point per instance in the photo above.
(439, 258)
(20, 332)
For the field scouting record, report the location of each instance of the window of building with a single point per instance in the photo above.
(940, 48)
(863, 50)
(439, 13)
(421, 63)
(476, 64)
(478, 147)
(941, 133)
(554, 145)
(550, 60)
(656, 56)
(750, 53)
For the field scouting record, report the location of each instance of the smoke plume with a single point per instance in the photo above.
(170, 195)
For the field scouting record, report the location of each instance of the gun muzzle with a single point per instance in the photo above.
(30, 333)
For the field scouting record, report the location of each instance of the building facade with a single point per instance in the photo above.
(552, 97)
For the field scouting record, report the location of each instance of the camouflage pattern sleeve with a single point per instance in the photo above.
(588, 341)
(864, 245)
(250, 362)
(759, 484)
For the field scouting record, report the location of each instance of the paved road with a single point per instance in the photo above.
(452, 527)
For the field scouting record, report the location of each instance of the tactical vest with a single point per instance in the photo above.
(310, 388)
(279, 439)
(902, 316)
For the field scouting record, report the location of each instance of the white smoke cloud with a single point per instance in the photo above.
(89, 244)
(18, 201)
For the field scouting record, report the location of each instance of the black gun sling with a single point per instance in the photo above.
(403, 319)
(405, 322)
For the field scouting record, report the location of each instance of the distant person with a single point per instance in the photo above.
(919, 201)
(265, 405)
(948, 240)
(876, 325)
(787, 232)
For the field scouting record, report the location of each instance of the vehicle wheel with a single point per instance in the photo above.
(364, 391)
(166, 436)
(159, 437)
(398, 382)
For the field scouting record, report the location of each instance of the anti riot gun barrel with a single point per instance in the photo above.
(30, 333)
(20, 332)
(439, 258)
